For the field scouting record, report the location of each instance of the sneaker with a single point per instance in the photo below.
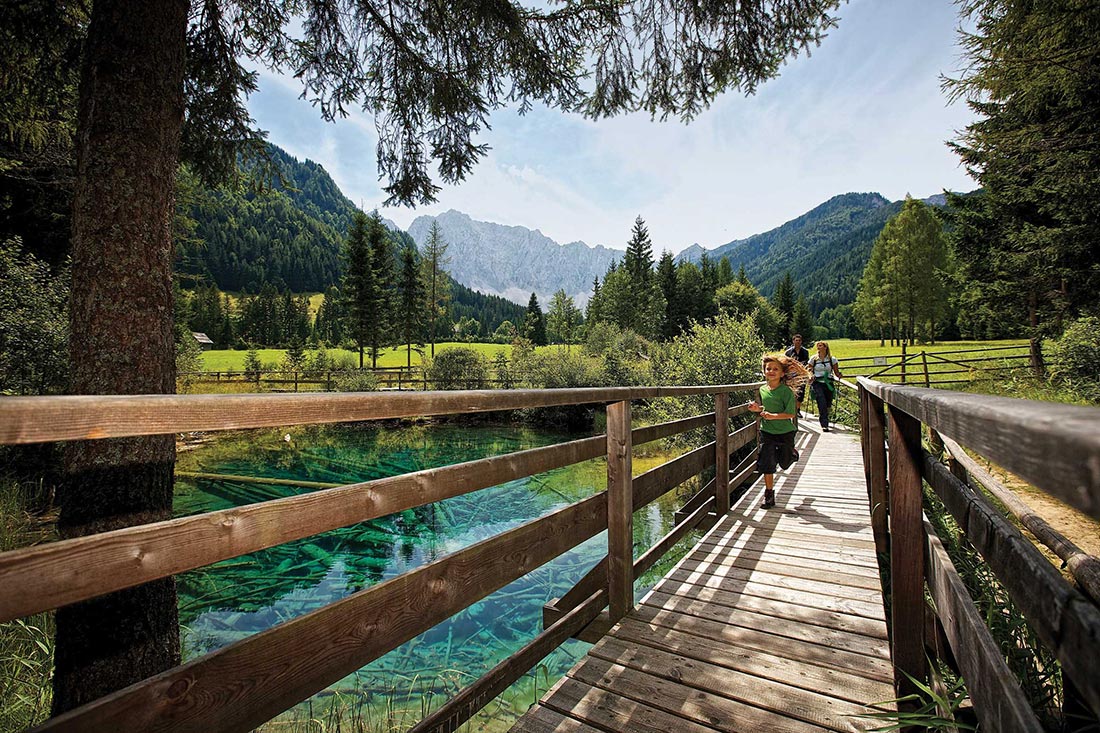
(826, 429)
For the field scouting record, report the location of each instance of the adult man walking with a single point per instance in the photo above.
(798, 351)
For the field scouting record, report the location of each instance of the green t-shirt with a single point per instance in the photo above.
(778, 400)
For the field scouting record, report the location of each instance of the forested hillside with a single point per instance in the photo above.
(825, 249)
(290, 236)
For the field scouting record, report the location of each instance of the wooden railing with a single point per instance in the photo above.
(247, 683)
(1056, 448)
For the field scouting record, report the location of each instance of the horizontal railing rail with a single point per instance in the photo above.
(1056, 448)
(252, 680)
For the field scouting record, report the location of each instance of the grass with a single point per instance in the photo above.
(26, 644)
(229, 360)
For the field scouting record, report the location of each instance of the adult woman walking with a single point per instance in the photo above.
(823, 367)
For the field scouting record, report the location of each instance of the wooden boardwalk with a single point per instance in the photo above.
(774, 622)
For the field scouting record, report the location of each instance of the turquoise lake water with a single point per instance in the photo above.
(228, 601)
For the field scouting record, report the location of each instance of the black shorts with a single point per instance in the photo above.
(775, 450)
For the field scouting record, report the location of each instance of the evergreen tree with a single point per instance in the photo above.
(801, 322)
(410, 295)
(358, 285)
(331, 316)
(534, 324)
(381, 298)
(638, 261)
(594, 312)
(1027, 242)
(725, 272)
(742, 277)
(783, 300)
(666, 280)
(436, 290)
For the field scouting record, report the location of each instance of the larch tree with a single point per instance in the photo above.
(437, 288)
(162, 80)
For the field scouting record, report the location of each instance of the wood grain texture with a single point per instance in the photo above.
(247, 683)
(906, 552)
(721, 453)
(1025, 437)
(620, 511)
(52, 575)
(1084, 567)
(998, 699)
(1062, 618)
(87, 417)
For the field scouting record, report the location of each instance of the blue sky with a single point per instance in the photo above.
(864, 113)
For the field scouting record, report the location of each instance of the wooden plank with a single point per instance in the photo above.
(683, 583)
(609, 711)
(698, 571)
(793, 552)
(1062, 618)
(476, 696)
(1022, 436)
(998, 699)
(94, 417)
(762, 639)
(763, 698)
(247, 683)
(764, 563)
(665, 692)
(780, 619)
(877, 456)
(797, 673)
(792, 612)
(906, 552)
(540, 719)
(721, 453)
(620, 511)
(56, 574)
(663, 430)
(1084, 567)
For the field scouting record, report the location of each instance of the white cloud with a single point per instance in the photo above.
(864, 113)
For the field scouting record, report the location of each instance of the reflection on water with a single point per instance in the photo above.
(238, 597)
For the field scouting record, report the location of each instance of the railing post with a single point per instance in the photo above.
(721, 453)
(906, 552)
(876, 454)
(1035, 356)
(903, 358)
(924, 360)
(620, 511)
(864, 439)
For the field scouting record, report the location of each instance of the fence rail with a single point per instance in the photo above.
(1055, 448)
(246, 683)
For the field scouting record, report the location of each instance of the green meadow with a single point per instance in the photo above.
(224, 360)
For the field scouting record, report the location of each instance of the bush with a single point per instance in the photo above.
(34, 323)
(1072, 359)
(458, 368)
(355, 381)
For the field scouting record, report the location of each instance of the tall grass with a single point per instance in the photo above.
(26, 645)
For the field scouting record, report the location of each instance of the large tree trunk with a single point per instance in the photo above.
(128, 131)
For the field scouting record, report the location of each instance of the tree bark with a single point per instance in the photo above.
(128, 132)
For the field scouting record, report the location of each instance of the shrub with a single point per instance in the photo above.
(1072, 358)
(34, 323)
(355, 381)
(458, 368)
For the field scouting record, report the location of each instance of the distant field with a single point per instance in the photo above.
(847, 348)
(228, 360)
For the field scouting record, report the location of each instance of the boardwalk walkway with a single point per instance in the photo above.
(774, 622)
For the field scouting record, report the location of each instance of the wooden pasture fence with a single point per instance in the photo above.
(930, 368)
(1055, 448)
(248, 682)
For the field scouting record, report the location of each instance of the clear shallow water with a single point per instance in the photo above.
(228, 601)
